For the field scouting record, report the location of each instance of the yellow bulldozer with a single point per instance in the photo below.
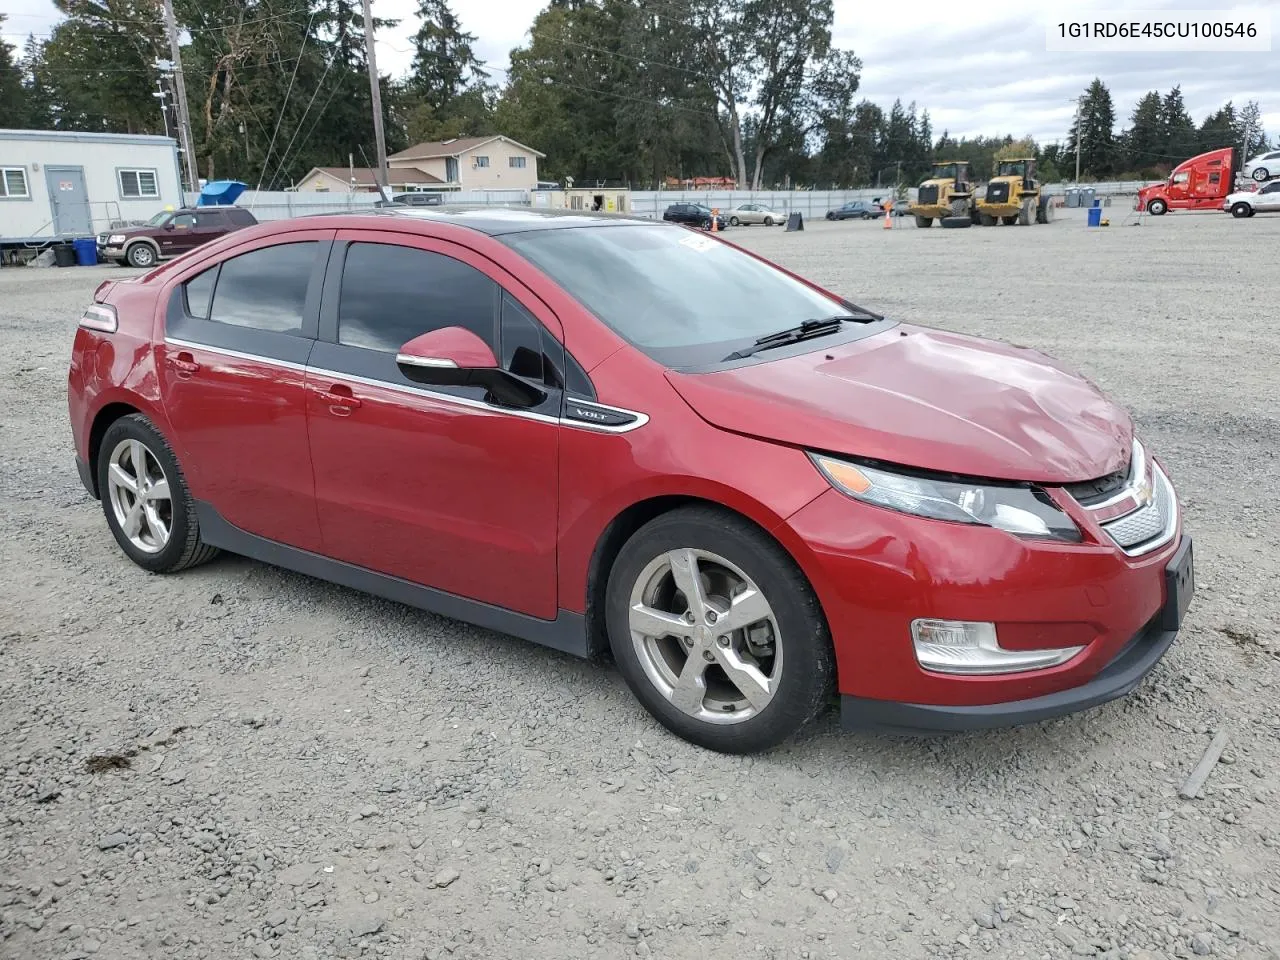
(947, 194)
(1013, 196)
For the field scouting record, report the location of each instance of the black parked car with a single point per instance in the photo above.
(694, 215)
(855, 210)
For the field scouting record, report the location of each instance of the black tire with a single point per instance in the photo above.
(1241, 210)
(808, 667)
(141, 255)
(768, 221)
(1260, 174)
(1010, 220)
(1027, 213)
(1157, 207)
(184, 548)
(830, 215)
(1044, 211)
(734, 222)
(987, 220)
(953, 223)
(924, 221)
(959, 208)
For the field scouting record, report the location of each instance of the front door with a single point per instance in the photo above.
(178, 235)
(232, 370)
(69, 201)
(433, 485)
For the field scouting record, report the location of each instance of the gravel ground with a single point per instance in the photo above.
(243, 762)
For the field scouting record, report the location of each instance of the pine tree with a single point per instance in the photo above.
(1180, 138)
(13, 98)
(1144, 141)
(1221, 129)
(1096, 133)
(1255, 137)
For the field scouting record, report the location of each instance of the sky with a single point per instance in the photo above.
(991, 75)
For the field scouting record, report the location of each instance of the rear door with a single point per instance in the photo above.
(1268, 197)
(434, 485)
(232, 367)
(209, 225)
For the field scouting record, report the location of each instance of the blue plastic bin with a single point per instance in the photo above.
(1095, 216)
(86, 252)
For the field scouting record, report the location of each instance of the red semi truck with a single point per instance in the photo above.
(1200, 183)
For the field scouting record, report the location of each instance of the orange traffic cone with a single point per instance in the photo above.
(888, 215)
(715, 215)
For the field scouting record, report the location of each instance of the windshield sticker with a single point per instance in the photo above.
(698, 244)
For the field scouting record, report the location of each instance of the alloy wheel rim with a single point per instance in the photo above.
(706, 636)
(139, 493)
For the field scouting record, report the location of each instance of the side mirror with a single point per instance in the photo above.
(456, 357)
(168, 224)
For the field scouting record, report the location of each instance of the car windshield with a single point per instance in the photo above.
(684, 299)
(159, 218)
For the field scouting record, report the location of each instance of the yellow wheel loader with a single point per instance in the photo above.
(946, 195)
(1013, 196)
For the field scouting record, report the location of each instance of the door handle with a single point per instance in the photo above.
(185, 364)
(341, 401)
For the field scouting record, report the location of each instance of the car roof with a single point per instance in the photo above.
(495, 221)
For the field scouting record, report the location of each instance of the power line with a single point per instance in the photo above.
(280, 116)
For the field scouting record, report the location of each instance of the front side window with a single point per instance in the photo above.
(13, 183)
(184, 221)
(199, 291)
(138, 184)
(391, 294)
(684, 299)
(265, 289)
(1181, 177)
(482, 161)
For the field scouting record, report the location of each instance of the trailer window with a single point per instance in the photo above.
(1215, 177)
(13, 183)
(138, 183)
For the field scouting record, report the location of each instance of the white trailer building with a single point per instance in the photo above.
(60, 185)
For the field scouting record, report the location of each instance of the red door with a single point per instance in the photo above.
(432, 485)
(232, 380)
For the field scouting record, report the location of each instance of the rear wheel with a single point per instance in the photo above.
(924, 221)
(717, 632)
(145, 498)
(1261, 174)
(734, 222)
(140, 255)
(1027, 213)
(1241, 209)
(1157, 207)
(768, 221)
(987, 220)
(1044, 211)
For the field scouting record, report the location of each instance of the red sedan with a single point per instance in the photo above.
(602, 433)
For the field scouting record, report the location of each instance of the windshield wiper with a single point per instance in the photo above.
(805, 331)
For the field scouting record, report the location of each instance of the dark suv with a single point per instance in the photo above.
(170, 234)
(693, 215)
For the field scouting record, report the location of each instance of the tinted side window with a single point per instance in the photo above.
(242, 217)
(265, 289)
(198, 291)
(183, 221)
(521, 341)
(392, 294)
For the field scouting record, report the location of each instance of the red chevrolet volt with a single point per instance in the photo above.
(602, 433)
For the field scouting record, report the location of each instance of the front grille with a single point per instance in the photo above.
(998, 192)
(1150, 525)
(927, 195)
(1089, 492)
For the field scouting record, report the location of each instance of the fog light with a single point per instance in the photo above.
(961, 646)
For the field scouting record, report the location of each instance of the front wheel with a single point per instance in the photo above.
(1241, 209)
(734, 222)
(717, 632)
(1157, 208)
(145, 498)
(1261, 174)
(924, 221)
(1010, 220)
(768, 221)
(140, 255)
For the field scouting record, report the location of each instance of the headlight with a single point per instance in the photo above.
(116, 238)
(1023, 510)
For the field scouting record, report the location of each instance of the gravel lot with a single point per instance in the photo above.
(242, 762)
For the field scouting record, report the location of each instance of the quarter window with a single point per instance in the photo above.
(265, 289)
(138, 183)
(521, 341)
(391, 294)
(13, 183)
(199, 290)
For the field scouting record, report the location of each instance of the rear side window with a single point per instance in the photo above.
(391, 294)
(199, 291)
(265, 289)
(241, 218)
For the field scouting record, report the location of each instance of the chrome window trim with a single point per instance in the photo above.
(640, 418)
(236, 354)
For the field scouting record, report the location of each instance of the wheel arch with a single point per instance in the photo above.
(629, 520)
(134, 241)
(112, 407)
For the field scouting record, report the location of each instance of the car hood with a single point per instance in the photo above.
(927, 399)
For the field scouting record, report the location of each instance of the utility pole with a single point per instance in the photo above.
(1079, 137)
(180, 88)
(375, 95)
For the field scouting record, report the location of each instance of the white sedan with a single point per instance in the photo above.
(755, 213)
(1248, 202)
(1264, 166)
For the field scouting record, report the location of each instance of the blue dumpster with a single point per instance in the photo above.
(1095, 216)
(86, 251)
